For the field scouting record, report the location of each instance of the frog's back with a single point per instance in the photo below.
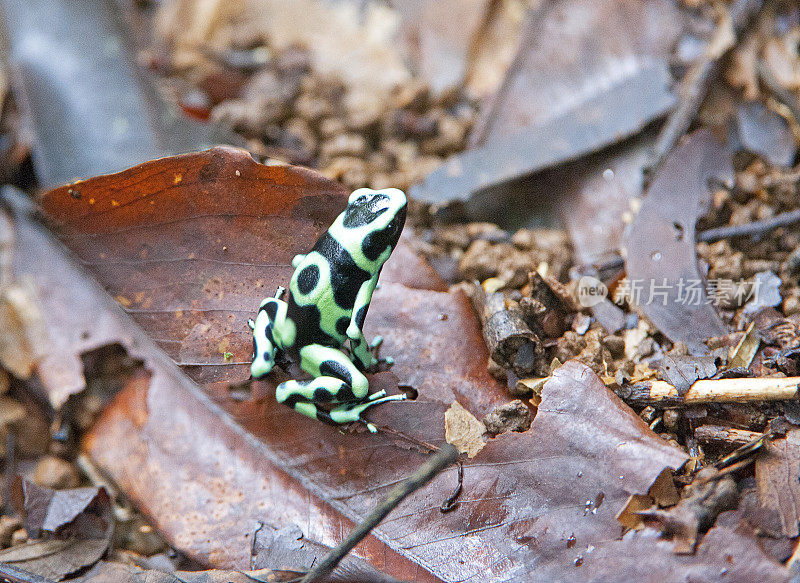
(323, 290)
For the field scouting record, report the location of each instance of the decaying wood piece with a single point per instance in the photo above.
(726, 437)
(716, 391)
(510, 340)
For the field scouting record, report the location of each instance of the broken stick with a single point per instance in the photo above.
(446, 456)
(725, 437)
(511, 342)
(715, 391)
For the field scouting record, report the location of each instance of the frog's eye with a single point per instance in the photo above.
(358, 196)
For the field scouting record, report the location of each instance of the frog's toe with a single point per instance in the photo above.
(376, 342)
(388, 361)
(378, 395)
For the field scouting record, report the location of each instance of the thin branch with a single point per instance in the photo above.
(445, 457)
(718, 233)
(754, 228)
(715, 391)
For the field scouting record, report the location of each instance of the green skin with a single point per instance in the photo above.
(329, 295)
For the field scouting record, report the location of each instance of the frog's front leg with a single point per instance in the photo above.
(336, 380)
(361, 349)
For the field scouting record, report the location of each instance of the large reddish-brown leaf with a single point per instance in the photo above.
(206, 478)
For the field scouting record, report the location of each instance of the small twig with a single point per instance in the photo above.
(754, 228)
(716, 391)
(446, 456)
(718, 233)
(718, 435)
(694, 86)
(451, 503)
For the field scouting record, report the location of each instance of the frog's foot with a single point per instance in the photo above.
(351, 412)
(377, 362)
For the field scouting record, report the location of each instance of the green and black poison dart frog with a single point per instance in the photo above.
(329, 295)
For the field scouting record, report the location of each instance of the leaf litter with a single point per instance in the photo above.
(576, 335)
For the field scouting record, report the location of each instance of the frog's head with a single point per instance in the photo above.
(375, 218)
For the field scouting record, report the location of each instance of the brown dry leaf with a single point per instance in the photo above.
(452, 43)
(462, 429)
(75, 527)
(113, 572)
(572, 50)
(660, 256)
(778, 479)
(702, 502)
(198, 472)
(598, 73)
(54, 559)
(83, 512)
(741, 355)
(682, 371)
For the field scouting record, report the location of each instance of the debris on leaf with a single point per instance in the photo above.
(462, 429)
(682, 371)
(513, 416)
(696, 512)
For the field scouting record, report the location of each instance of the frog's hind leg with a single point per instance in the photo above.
(337, 381)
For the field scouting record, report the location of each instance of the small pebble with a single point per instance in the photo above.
(20, 537)
(55, 473)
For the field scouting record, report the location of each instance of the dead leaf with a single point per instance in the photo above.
(438, 36)
(660, 253)
(572, 51)
(696, 512)
(287, 549)
(100, 114)
(77, 512)
(525, 494)
(741, 355)
(778, 479)
(762, 131)
(55, 559)
(682, 371)
(611, 81)
(462, 429)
